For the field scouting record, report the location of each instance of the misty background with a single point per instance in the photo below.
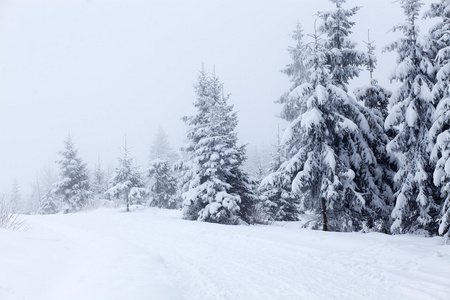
(103, 69)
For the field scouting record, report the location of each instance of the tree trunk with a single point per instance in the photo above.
(128, 203)
(324, 214)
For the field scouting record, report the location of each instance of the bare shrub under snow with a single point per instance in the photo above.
(8, 219)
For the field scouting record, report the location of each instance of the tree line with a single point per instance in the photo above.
(378, 161)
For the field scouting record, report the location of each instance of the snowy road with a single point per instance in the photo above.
(152, 254)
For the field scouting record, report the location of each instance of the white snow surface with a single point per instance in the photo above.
(150, 253)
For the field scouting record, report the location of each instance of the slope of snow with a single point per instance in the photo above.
(152, 254)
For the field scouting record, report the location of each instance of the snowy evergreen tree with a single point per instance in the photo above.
(73, 187)
(44, 191)
(49, 204)
(279, 203)
(18, 203)
(215, 189)
(15, 198)
(410, 114)
(439, 43)
(99, 182)
(326, 144)
(330, 163)
(366, 157)
(278, 200)
(127, 183)
(163, 186)
(161, 148)
(379, 183)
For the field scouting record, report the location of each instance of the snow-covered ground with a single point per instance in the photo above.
(152, 254)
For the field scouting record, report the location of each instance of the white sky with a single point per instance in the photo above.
(103, 69)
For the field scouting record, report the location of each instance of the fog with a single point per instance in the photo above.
(103, 70)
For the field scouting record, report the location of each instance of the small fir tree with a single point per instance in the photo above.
(16, 200)
(99, 182)
(127, 183)
(278, 201)
(49, 203)
(258, 164)
(163, 185)
(73, 187)
(161, 148)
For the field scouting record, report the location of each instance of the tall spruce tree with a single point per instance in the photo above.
(215, 189)
(439, 44)
(373, 167)
(127, 183)
(329, 160)
(321, 145)
(410, 114)
(374, 100)
(345, 63)
(73, 187)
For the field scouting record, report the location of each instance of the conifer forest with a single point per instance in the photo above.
(350, 199)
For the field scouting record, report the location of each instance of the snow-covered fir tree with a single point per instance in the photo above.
(215, 189)
(163, 185)
(374, 100)
(73, 186)
(16, 199)
(50, 204)
(161, 148)
(410, 114)
(325, 145)
(127, 183)
(278, 201)
(439, 43)
(372, 176)
(99, 182)
(329, 160)
(44, 191)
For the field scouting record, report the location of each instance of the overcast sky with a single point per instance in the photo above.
(103, 69)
